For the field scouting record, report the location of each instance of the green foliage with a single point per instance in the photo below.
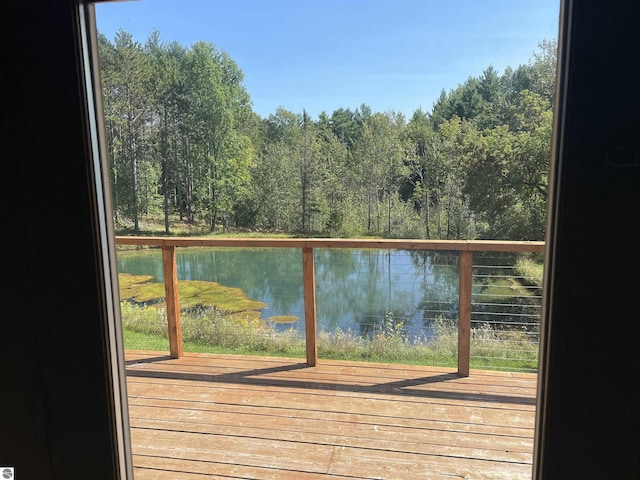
(207, 330)
(176, 122)
(183, 142)
(500, 290)
(126, 80)
(516, 158)
(530, 270)
(210, 330)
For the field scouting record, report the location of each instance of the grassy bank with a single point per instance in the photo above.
(213, 331)
(153, 226)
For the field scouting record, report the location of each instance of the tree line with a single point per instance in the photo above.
(183, 142)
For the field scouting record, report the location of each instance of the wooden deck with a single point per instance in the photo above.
(223, 416)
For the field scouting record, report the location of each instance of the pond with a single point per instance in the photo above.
(355, 289)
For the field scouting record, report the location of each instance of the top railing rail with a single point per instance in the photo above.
(393, 244)
(465, 249)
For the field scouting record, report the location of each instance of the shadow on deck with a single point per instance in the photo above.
(225, 416)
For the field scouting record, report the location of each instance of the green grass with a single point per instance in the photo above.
(530, 271)
(134, 340)
(500, 290)
(214, 331)
(208, 330)
(153, 225)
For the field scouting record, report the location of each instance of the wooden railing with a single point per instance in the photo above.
(464, 248)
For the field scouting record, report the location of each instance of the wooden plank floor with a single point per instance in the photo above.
(224, 416)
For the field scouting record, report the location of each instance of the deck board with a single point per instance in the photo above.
(226, 416)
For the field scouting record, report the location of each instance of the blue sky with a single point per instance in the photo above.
(326, 54)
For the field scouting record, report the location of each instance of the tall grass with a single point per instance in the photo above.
(209, 330)
(530, 270)
(213, 331)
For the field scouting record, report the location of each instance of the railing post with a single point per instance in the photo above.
(172, 300)
(464, 312)
(309, 283)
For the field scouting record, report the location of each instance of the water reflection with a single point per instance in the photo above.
(355, 289)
